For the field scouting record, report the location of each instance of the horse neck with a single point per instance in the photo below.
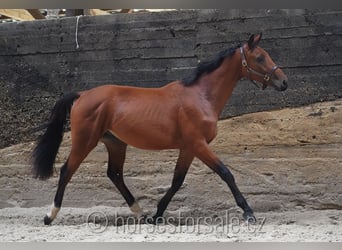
(219, 84)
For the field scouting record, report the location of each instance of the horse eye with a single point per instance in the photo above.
(260, 59)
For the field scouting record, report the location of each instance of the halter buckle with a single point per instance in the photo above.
(266, 78)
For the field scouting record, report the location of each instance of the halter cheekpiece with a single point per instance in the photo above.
(266, 77)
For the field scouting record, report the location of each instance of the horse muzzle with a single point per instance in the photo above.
(279, 85)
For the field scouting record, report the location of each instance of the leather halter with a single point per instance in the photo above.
(266, 77)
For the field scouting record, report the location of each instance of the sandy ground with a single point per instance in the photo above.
(287, 163)
(25, 224)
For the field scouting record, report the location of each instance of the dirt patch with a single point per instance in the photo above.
(286, 162)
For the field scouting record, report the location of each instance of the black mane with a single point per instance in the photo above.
(207, 67)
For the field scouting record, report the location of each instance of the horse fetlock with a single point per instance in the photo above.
(50, 216)
(135, 208)
(249, 217)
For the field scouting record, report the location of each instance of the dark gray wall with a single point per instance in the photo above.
(39, 60)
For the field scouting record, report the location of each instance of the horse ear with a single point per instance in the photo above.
(254, 41)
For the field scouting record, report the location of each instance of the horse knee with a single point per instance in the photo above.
(225, 174)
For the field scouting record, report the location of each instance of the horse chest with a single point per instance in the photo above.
(197, 124)
(209, 128)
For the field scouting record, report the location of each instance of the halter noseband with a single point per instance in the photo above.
(266, 77)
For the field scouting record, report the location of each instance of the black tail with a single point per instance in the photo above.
(44, 154)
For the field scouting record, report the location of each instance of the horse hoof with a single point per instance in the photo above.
(249, 218)
(154, 220)
(47, 220)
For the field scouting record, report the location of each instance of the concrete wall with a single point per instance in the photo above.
(39, 60)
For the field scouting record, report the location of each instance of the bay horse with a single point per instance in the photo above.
(180, 115)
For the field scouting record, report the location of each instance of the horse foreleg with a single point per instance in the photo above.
(182, 166)
(205, 154)
(116, 158)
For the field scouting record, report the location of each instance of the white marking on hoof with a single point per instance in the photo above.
(135, 208)
(53, 212)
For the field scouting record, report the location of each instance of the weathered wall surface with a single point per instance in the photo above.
(39, 60)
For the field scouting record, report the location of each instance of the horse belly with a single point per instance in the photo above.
(146, 139)
(142, 131)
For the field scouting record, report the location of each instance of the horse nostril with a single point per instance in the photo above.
(284, 87)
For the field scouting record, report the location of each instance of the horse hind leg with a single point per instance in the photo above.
(116, 158)
(81, 147)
